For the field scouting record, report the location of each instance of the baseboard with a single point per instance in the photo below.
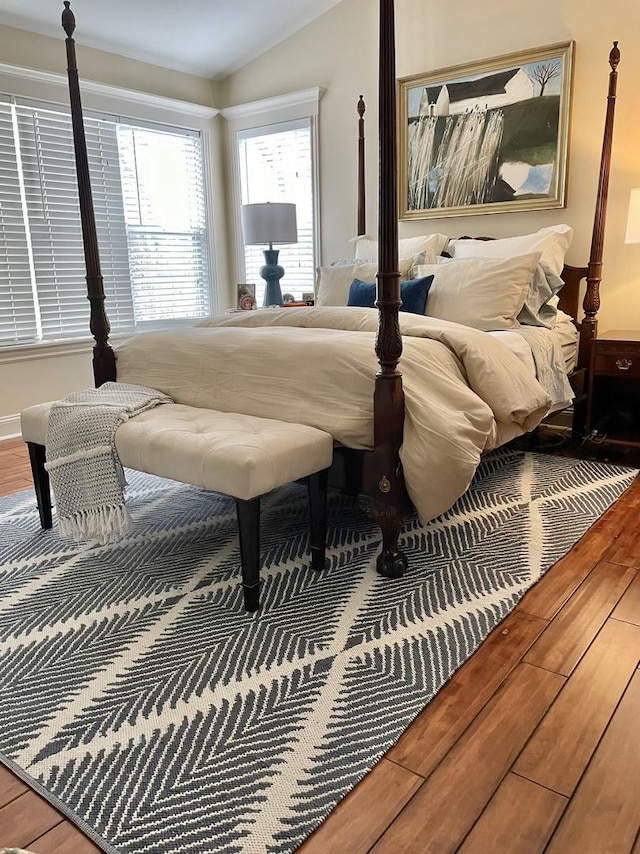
(9, 426)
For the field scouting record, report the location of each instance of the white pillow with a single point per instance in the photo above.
(332, 283)
(427, 256)
(552, 243)
(540, 303)
(487, 293)
(366, 247)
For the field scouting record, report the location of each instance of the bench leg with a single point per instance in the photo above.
(317, 486)
(37, 457)
(249, 527)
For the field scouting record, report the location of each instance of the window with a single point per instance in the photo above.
(274, 145)
(162, 186)
(276, 166)
(147, 187)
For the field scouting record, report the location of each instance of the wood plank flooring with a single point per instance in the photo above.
(533, 745)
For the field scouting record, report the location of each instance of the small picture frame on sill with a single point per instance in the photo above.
(246, 297)
(309, 298)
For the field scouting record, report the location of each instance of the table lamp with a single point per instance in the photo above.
(633, 219)
(271, 222)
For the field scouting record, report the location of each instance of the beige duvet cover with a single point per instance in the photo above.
(464, 391)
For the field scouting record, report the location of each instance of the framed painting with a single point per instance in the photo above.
(486, 137)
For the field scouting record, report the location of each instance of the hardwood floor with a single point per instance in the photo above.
(534, 744)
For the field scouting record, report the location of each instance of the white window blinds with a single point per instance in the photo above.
(164, 208)
(53, 220)
(143, 259)
(18, 321)
(276, 166)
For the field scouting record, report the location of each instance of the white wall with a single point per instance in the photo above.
(339, 52)
(27, 380)
(44, 53)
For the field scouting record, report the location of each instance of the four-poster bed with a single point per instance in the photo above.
(378, 470)
(569, 296)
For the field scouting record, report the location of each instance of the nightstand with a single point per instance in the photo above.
(613, 397)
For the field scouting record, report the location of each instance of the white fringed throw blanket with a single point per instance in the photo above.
(85, 473)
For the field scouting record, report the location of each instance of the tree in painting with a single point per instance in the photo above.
(544, 72)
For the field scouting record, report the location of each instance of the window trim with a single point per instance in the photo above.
(48, 349)
(53, 87)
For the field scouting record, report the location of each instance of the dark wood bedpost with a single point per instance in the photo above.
(386, 481)
(104, 363)
(591, 303)
(362, 212)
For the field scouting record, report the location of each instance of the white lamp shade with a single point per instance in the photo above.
(271, 222)
(633, 219)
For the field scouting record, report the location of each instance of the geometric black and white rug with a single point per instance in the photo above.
(147, 705)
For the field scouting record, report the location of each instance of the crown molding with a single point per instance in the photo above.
(128, 95)
(306, 97)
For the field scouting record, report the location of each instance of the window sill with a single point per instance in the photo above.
(52, 349)
(28, 352)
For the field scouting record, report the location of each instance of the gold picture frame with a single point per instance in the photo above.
(486, 137)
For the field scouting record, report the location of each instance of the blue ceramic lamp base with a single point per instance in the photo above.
(272, 272)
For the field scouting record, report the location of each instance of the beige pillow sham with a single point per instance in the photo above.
(483, 293)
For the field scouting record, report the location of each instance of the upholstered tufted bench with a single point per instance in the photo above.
(239, 455)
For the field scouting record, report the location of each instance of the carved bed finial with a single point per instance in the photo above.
(68, 19)
(614, 56)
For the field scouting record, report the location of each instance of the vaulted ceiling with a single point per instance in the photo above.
(210, 38)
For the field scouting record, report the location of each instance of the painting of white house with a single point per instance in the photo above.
(491, 136)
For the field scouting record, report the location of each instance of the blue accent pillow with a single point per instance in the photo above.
(361, 294)
(413, 293)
